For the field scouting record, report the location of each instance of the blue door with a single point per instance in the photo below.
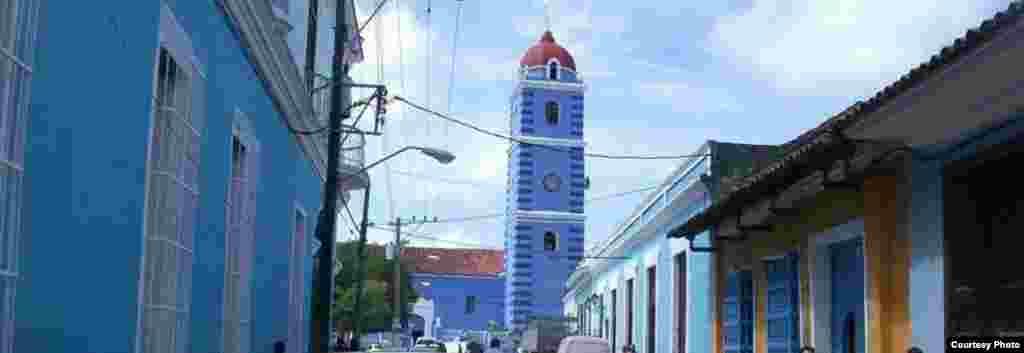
(738, 313)
(847, 322)
(782, 304)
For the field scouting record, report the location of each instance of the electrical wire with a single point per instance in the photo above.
(499, 215)
(429, 237)
(451, 76)
(372, 15)
(446, 180)
(512, 139)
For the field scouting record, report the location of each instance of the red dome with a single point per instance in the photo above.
(545, 49)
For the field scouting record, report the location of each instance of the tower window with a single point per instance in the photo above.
(550, 241)
(470, 304)
(551, 113)
(553, 70)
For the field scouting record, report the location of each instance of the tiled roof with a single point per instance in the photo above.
(545, 49)
(455, 261)
(824, 136)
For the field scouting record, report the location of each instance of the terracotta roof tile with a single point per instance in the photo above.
(455, 261)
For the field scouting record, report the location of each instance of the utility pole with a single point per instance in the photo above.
(396, 323)
(341, 99)
(396, 320)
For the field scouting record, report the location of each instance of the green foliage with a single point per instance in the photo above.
(376, 301)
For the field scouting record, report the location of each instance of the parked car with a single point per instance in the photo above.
(584, 344)
(374, 348)
(427, 344)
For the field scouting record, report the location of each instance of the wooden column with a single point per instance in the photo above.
(887, 263)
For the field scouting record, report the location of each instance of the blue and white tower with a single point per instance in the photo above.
(546, 183)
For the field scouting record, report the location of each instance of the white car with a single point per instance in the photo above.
(426, 344)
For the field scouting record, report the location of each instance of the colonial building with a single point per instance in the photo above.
(154, 198)
(461, 290)
(546, 182)
(893, 225)
(639, 287)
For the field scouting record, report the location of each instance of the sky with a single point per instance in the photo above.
(661, 79)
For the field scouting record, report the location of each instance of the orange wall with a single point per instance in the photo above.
(887, 254)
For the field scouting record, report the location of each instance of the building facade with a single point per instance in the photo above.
(461, 289)
(892, 225)
(546, 183)
(177, 192)
(639, 287)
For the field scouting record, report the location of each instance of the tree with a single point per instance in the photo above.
(377, 295)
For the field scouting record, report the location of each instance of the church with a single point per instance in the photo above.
(468, 290)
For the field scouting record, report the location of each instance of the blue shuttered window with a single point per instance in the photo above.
(782, 304)
(738, 313)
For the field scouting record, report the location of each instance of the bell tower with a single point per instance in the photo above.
(546, 183)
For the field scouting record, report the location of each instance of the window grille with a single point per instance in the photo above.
(550, 241)
(239, 236)
(470, 304)
(171, 209)
(553, 70)
(17, 45)
(297, 284)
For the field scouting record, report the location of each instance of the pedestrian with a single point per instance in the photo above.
(495, 346)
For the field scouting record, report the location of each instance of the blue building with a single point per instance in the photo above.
(154, 198)
(461, 290)
(546, 183)
(639, 287)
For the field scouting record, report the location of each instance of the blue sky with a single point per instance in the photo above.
(663, 77)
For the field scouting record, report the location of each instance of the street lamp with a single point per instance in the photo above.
(442, 156)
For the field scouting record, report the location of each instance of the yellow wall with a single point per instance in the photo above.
(887, 255)
(828, 209)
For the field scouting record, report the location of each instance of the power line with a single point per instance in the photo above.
(512, 139)
(447, 180)
(372, 15)
(451, 77)
(499, 215)
(430, 237)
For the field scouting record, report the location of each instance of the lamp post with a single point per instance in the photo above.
(442, 156)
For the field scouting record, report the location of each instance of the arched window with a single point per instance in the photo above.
(551, 113)
(550, 241)
(553, 70)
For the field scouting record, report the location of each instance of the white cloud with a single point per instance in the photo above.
(684, 98)
(812, 47)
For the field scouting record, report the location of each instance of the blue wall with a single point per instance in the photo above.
(449, 295)
(927, 262)
(532, 113)
(85, 174)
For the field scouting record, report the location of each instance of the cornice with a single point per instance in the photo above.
(269, 54)
(538, 140)
(551, 85)
(547, 217)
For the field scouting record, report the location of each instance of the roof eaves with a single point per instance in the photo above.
(804, 143)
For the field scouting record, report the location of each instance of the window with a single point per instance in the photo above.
(550, 241)
(17, 44)
(652, 299)
(738, 313)
(470, 304)
(629, 312)
(614, 327)
(297, 283)
(782, 304)
(680, 303)
(551, 113)
(552, 182)
(553, 70)
(238, 238)
(171, 210)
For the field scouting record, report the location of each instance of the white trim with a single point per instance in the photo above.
(282, 80)
(821, 281)
(560, 66)
(547, 217)
(453, 275)
(550, 141)
(174, 38)
(140, 295)
(576, 87)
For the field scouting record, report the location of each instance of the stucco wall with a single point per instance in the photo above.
(86, 153)
(449, 295)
